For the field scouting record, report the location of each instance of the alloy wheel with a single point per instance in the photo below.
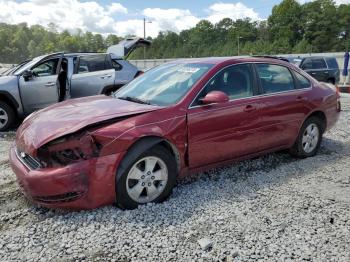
(3, 118)
(147, 179)
(310, 138)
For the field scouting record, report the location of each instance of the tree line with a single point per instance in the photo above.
(317, 26)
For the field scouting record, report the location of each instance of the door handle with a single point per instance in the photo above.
(49, 84)
(249, 108)
(326, 72)
(301, 98)
(105, 76)
(313, 73)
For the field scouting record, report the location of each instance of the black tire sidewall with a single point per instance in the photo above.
(123, 199)
(10, 114)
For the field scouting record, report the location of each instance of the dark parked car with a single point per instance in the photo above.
(176, 119)
(324, 69)
(49, 79)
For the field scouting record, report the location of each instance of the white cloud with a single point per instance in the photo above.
(93, 16)
(236, 11)
(115, 8)
(174, 20)
(66, 14)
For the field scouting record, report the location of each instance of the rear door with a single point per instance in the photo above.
(92, 74)
(42, 89)
(283, 105)
(228, 130)
(316, 67)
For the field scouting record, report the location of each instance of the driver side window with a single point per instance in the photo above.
(46, 68)
(235, 81)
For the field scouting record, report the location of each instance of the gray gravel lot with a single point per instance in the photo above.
(270, 208)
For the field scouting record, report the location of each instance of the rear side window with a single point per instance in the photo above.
(319, 63)
(92, 63)
(274, 78)
(303, 82)
(332, 63)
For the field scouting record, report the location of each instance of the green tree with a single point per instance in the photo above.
(286, 22)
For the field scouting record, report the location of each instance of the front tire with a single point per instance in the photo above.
(7, 116)
(309, 138)
(150, 178)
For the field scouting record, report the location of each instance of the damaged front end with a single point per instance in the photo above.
(69, 150)
(72, 171)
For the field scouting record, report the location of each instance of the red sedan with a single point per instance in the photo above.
(174, 120)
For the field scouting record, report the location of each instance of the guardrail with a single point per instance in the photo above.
(149, 63)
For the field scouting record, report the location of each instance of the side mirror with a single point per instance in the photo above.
(215, 97)
(27, 75)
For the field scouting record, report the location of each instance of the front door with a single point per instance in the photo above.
(92, 74)
(316, 67)
(224, 131)
(41, 90)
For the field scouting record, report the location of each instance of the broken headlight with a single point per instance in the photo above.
(69, 150)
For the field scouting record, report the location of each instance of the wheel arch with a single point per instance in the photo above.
(332, 80)
(321, 115)
(143, 144)
(8, 98)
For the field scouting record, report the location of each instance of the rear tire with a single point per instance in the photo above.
(150, 178)
(309, 139)
(7, 116)
(331, 81)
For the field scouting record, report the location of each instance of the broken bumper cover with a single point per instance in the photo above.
(83, 185)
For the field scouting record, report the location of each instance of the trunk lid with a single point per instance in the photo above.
(125, 47)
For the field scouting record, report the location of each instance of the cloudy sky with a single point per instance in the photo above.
(124, 17)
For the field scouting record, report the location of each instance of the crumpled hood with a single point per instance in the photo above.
(70, 116)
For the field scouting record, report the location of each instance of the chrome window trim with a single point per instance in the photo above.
(254, 96)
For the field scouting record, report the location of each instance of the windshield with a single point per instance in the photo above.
(15, 68)
(163, 85)
(28, 65)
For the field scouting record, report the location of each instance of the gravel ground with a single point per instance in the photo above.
(270, 208)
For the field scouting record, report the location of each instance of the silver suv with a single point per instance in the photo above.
(48, 79)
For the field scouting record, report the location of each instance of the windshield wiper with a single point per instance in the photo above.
(134, 99)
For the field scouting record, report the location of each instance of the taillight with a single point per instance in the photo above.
(338, 105)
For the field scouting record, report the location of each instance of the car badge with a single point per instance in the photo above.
(23, 155)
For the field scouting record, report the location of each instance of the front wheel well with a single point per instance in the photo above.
(8, 101)
(320, 115)
(331, 80)
(143, 144)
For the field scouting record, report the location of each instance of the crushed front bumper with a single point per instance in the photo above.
(83, 185)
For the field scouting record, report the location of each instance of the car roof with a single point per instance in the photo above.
(83, 53)
(234, 59)
(319, 56)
